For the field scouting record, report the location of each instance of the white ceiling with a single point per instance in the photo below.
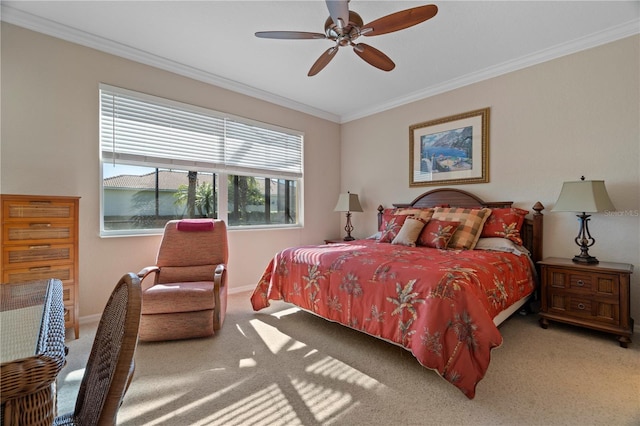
(214, 41)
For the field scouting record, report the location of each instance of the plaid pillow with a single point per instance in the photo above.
(422, 213)
(470, 228)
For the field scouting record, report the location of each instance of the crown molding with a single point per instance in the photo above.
(583, 43)
(64, 32)
(45, 26)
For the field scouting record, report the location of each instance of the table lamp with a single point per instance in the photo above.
(585, 196)
(348, 203)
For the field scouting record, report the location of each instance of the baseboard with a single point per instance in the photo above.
(242, 289)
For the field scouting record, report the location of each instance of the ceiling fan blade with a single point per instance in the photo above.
(290, 35)
(323, 60)
(374, 57)
(400, 20)
(339, 11)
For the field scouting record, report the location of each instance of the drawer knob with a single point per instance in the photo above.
(580, 283)
(40, 225)
(39, 268)
(40, 247)
(581, 306)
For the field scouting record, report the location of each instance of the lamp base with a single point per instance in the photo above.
(584, 241)
(584, 259)
(348, 238)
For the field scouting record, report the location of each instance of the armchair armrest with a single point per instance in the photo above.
(218, 283)
(145, 272)
(218, 275)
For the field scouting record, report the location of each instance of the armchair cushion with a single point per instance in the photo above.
(172, 274)
(178, 297)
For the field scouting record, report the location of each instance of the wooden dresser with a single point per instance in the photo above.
(40, 241)
(596, 296)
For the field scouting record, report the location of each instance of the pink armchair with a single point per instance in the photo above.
(188, 296)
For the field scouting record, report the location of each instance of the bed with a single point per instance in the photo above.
(434, 293)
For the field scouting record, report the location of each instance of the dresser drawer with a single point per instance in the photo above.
(19, 210)
(69, 316)
(34, 232)
(64, 273)
(37, 255)
(68, 295)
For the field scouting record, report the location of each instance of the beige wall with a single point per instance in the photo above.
(49, 145)
(578, 115)
(550, 123)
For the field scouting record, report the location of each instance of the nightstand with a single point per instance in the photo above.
(334, 241)
(595, 296)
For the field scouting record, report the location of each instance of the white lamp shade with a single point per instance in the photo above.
(587, 196)
(348, 203)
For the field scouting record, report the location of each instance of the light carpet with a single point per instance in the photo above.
(281, 366)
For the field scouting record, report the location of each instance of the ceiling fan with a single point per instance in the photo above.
(345, 26)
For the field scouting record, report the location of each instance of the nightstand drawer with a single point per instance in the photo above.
(579, 282)
(605, 311)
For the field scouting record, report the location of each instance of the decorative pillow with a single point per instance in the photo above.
(389, 212)
(409, 232)
(505, 223)
(391, 225)
(437, 233)
(470, 228)
(387, 215)
(422, 213)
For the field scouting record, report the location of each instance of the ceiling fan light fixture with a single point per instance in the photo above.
(345, 35)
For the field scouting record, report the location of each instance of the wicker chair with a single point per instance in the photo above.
(110, 366)
(188, 297)
(27, 388)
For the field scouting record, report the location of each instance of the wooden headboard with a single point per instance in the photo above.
(531, 229)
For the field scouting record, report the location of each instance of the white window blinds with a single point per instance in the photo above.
(147, 129)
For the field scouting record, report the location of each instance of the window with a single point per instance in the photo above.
(164, 160)
(261, 201)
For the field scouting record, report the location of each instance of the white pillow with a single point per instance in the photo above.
(501, 244)
(375, 236)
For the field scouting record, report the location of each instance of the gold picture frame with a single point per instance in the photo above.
(450, 150)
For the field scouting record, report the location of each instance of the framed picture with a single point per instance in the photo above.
(450, 150)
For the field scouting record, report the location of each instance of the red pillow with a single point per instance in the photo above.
(195, 225)
(390, 227)
(437, 233)
(505, 223)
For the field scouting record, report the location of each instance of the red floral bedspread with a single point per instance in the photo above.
(437, 304)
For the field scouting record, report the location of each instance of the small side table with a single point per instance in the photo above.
(595, 296)
(335, 241)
